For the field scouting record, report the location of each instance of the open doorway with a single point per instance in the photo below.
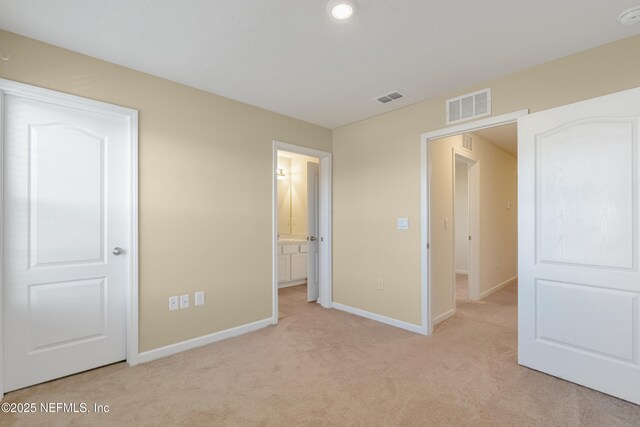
(298, 184)
(464, 274)
(301, 228)
(469, 214)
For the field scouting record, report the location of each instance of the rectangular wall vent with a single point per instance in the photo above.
(467, 142)
(389, 97)
(469, 106)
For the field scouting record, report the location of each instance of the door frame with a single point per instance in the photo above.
(324, 222)
(473, 205)
(8, 87)
(425, 138)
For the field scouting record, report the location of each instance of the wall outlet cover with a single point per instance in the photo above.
(184, 301)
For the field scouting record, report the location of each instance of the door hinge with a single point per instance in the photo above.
(468, 237)
(427, 246)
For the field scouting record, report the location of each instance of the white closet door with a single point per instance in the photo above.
(65, 210)
(579, 260)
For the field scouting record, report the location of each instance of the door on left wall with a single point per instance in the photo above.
(67, 226)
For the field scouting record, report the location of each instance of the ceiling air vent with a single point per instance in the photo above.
(385, 99)
(469, 106)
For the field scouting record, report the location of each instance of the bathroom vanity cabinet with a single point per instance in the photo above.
(292, 262)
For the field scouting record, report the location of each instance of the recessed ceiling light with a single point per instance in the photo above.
(630, 16)
(342, 9)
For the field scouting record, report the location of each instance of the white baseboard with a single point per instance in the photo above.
(444, 316)
(288, 284)
(462, 272)
(168, 350)
(498, 287)
(379, 318)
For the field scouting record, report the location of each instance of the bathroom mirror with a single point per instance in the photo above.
(284, 206)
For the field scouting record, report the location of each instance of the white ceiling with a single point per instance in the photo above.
(289, 56)
(505, 137)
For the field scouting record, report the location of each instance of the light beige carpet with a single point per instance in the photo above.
(324, 367)
(462, 287)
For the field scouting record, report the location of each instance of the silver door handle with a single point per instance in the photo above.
(117, 251)
(312, 238)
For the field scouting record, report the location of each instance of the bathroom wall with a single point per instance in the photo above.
(284, 196)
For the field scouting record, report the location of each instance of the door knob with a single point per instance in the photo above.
(312, 238)
(117, 251)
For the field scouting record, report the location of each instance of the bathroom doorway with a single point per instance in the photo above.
(302, 224)
(297, 177)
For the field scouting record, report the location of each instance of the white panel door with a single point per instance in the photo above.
(313, 215)
(65, 210)
(579, 260)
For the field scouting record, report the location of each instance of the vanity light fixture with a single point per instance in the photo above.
(342, 9)
(280, 172)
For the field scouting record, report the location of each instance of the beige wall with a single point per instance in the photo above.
(205, 187)
(377, 172)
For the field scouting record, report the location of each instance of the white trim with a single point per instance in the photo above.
(59, 98)
(325, 223)
(475, 230)
(379, 318)
(290, 284)
(498, 287)
(425, 279)
(444, 316)
(474, 221)
(179, 347)
(427, 323)
(133, 301)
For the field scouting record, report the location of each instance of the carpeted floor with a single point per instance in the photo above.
(462, 287)
(324, 367)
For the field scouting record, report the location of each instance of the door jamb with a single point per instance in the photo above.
(325, 223)
(473, 170)
(9, 87)
(425, 138)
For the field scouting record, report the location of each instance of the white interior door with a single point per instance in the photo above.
(65, 210)
(313, 279)
(579, 259)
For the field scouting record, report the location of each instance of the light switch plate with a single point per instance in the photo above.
(199, 298)
(173, 303)
(403, 223)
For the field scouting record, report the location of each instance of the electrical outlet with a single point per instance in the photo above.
(199, 298)
(380, 284)
(184, 301)
(173, 303)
